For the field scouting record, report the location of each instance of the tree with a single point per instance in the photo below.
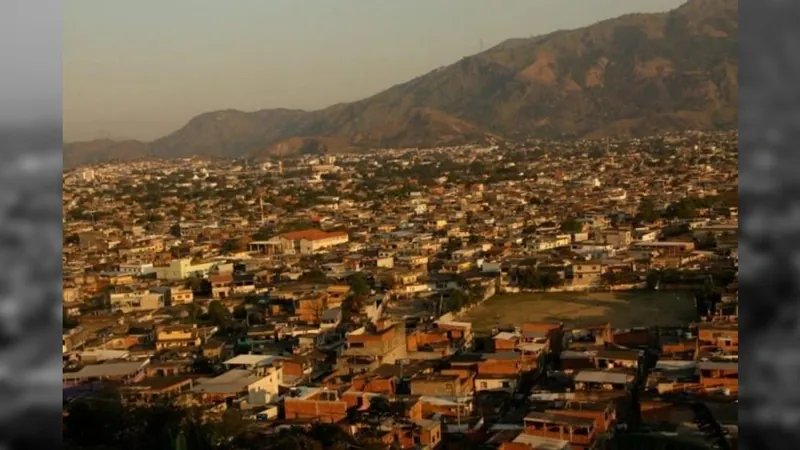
(240, 312)
(233, 246)
(217, 314)
(199, 286)
(331, 436)
(95, 423)
(359, 285)
(262, 235)
(456, 300)
(571, 226)
(549, 279)
(293, 439)
(647, 211)
(314, 276)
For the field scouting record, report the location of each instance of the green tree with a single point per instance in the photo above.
(240, 312)
(218, 314)
(571, 226)
(359, 285)
(647, 211)
(234, 246)
(314, 276)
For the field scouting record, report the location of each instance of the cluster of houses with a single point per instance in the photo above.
(533, 386)
(316, 290)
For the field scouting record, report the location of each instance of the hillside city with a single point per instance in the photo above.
(539, 294)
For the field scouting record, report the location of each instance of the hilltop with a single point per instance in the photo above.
(632, 75)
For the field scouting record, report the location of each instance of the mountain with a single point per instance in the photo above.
(633, 75)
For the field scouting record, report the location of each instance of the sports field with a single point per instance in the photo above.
(623, 309)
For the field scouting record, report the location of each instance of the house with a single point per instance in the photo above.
(369, 347)
(181, 269)
(608, 358)
(499, 372)
(122, 372)
(579, 431)
(604, 413)
(447, 385)
(589, 379)
(261, 386)
(667, 248)
(129, 301)
(180, 296)
(221, 285)
(719, 374)
(310, 307)
(315, 404)
(151, 389)
(415, 433)
(586, 273)
(459, 333)
(307, 242)
(506, 341)
(177, 336)
(724, 336)
(574, 361)
(331, 318)
(337, 293)
(73, 339)
(616, 238)
(525, 441)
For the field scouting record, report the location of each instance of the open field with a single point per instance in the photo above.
(622, 309)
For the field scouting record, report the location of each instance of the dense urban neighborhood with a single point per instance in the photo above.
(539, 294)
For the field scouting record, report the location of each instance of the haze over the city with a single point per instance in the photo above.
(142, 69)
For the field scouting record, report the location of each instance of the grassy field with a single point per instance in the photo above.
(622, 309)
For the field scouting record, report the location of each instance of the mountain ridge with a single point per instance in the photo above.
(632, 75)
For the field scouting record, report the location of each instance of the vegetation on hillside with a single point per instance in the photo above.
(633, 75)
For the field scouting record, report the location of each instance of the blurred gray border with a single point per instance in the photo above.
(769, 125)
(30, 138)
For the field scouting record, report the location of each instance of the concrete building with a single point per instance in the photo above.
(135, 301)
(369, 348)
(181, 269)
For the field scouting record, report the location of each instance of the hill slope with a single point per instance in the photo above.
(632, 75)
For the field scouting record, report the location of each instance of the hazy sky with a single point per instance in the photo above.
(141, 69)
(30, 61)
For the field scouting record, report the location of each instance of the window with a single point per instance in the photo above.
(506, 384)
(484, 385)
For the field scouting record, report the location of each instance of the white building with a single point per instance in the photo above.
(135, 301)
(181, 269)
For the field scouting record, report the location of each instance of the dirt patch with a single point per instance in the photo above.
(541, 71)
(656, 67)
(622, 309)
(596, 75)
